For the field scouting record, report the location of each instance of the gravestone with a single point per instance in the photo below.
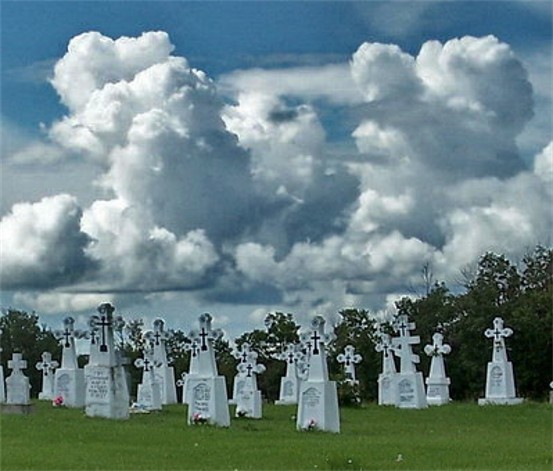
(349, 359)
(500, 381)
(148, 395)
(164, 373)
(386, 380)
(437, 383)
(551, 392)
(2, 384)
(289, 383)
(18, 398)
(318, 397)
(194, 348)
(248, 399)
(48, 368)
(106, 385)
(409, 385)
(239, 379)
(207, 399)
(69, 378)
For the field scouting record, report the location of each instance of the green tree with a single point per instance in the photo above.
(22, 333)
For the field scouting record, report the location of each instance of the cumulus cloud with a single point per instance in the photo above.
(42, 244)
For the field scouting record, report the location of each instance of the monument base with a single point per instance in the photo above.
(17, 409)
(386, 393)
(437, 392)
(149, 396)
(208, 402)
(288, 391)
(410, 393)
(106, 392)
(165, 376)
(318, 406)
(506, 401)
(69, 384)
(550, 397)
(248, 404)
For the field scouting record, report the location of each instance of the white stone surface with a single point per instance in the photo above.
(248, 399)
(386, 379)
(164, 373)
(208, 400)
(437, 383)
(500, 380)
(349, 359)
(318, 397)
(69, 378)
(193, 369)
(239, 381)
(2, 383)
(289, 383)
(17, 384)
(48, 368)
(409, 385)
(107, 392)
(149, 390)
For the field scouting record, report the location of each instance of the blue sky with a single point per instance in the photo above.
(357, 141)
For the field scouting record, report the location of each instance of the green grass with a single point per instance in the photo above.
(456, 436)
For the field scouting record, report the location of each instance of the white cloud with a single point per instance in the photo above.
(53, 302)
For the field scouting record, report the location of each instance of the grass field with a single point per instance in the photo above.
(456, 436)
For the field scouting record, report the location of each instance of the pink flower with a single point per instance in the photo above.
(58, 401)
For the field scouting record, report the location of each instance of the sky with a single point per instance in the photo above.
(241, 158)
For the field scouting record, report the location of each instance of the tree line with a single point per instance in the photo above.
(522, 295)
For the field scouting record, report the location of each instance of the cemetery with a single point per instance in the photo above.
(353, 395)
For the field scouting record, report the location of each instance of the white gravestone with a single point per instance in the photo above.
(349, 359)
(106, 385)
(148, 395)
(248, 399)
(437, 383)
(165, 374)
(2, 384)
(386, 379)
(239, 379)
(48, 368)
(500, 381)
(208, 400)
(289, 383)
(17, 384)
(318, 397)
(194, 348)
(69, 378)
(409, 385)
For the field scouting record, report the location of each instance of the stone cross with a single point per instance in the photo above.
(157, 339)
(250, 366)
(47, 365)
(438, 348)
(103, 323)
(205, 338)
(243, 352)
(17, 364)
(402, 344)
(349, 358)
(317, 338)
(499, 333)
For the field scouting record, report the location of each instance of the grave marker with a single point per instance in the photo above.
(148, 395)
(248, 399)
(2, 384)
(349, 359)
(18, 398)
(48, 368)
(318, 397)
(500, 381)
(386, 380)
(289, 383)
(437, 391)
(194, 348)
(239, 379)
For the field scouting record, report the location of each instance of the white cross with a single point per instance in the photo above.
(250, 366)
(47, 365)
(17, 363)
(498, 333)
(205, 334)
(349, 358)
(243, 352)
(438, 348)
(402, 344)
(317, 339)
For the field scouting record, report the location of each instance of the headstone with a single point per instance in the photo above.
(194, 348)
(69, 378)
(2, 384)
(386, 379)
(318, 397)
(248, 399)
(208, 400)
(17, 386)
(149, 390)
(48, 368)
(289, 383)
(106, 385)
(349, 359)
(164, 373)
(437, 383)
(239, 379)
(551, 392)
(500, 381)
(409, 385)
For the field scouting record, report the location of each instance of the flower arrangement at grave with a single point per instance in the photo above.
(58, 401)
(199, 419)
(240, 412)
(311, 424)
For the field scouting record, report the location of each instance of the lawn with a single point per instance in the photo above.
(456, 436)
